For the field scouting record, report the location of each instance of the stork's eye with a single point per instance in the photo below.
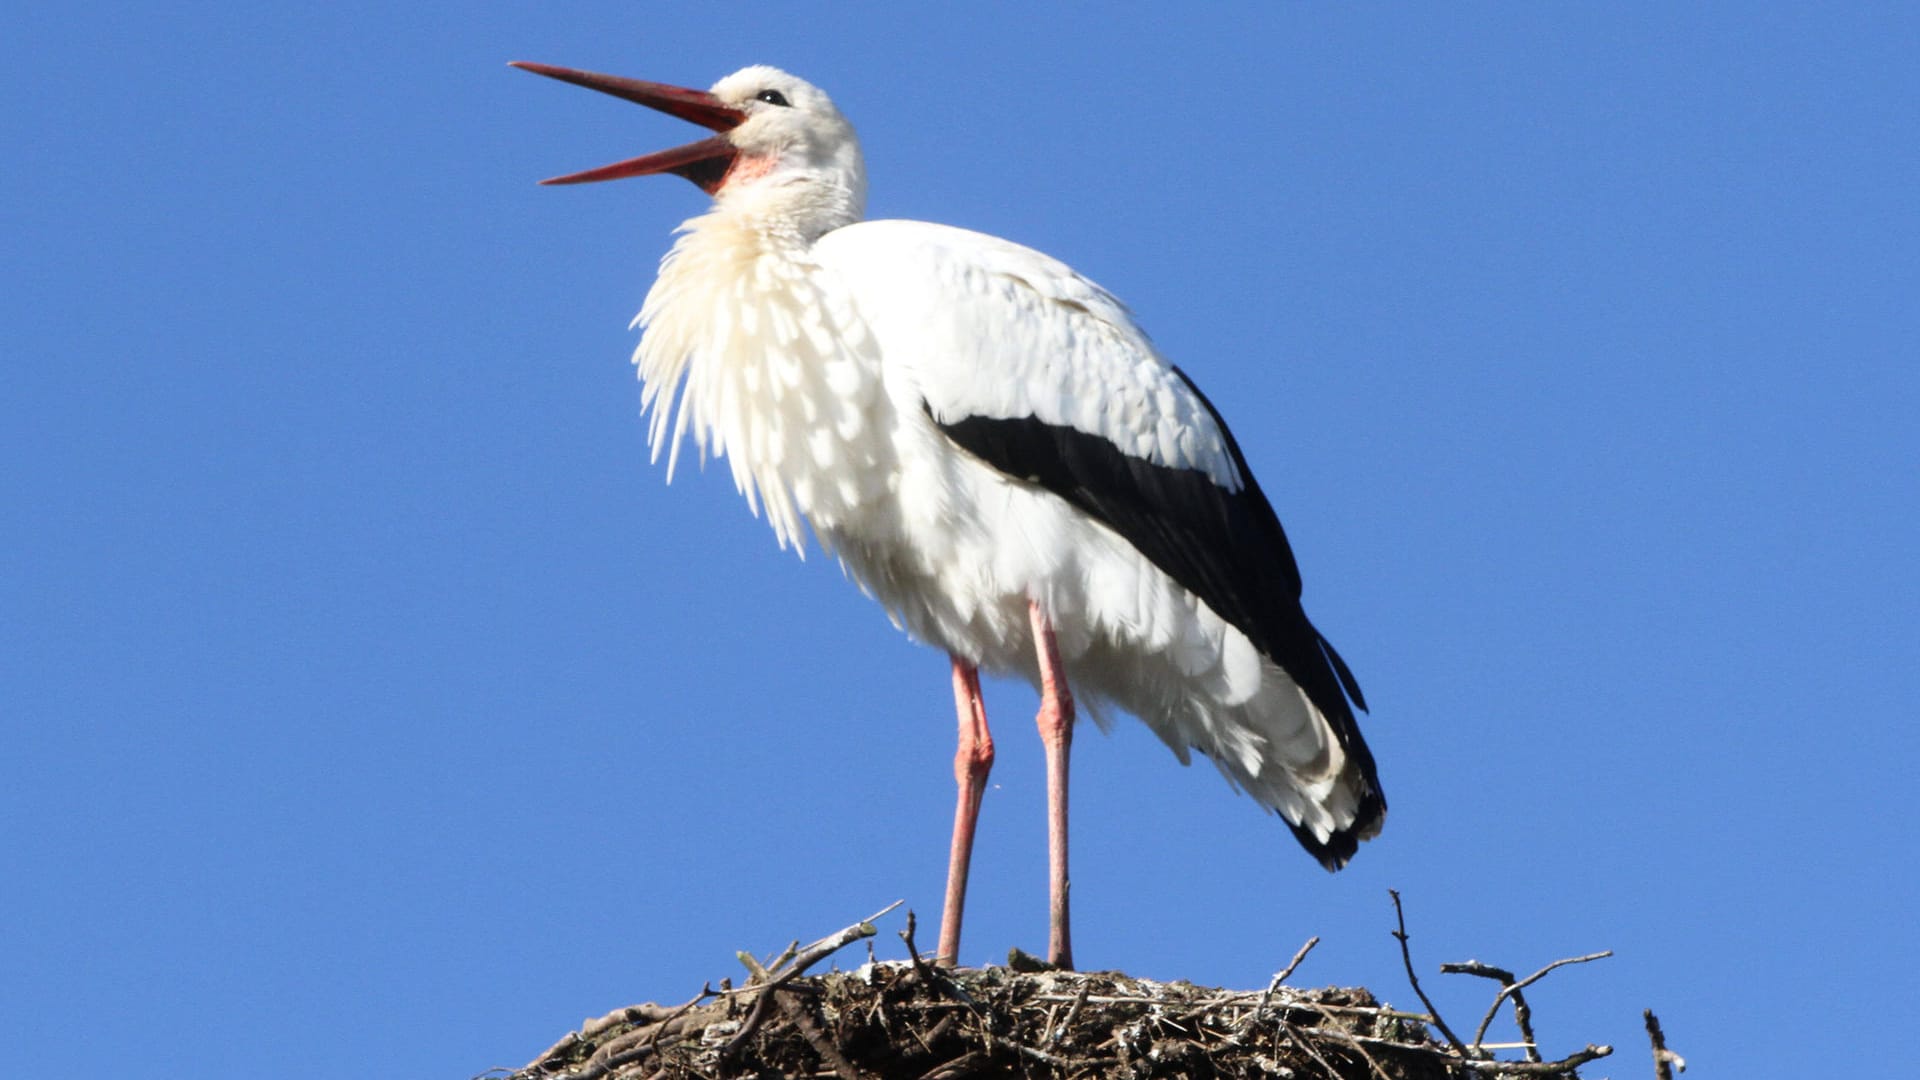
(773, 97)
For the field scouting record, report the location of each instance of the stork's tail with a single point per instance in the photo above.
(1340, 844)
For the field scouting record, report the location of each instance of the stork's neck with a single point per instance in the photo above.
(794, 195)
(790, 213)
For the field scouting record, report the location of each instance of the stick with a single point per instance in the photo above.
(1509, 988)
(829, 1053)
(1306, 1047)
(1664, 1060)
(784, 956)
(933, 976)
(1406, 957)
(649, 1013)
(1545, 1068)
(1260, 1013)
(1508, 1068)
(627, 1048)
(1042, 1056)
(1294, 963)
(806, 958)
(913, 951)
(637, 1015)
(1073, 1012)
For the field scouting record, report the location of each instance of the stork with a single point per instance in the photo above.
(996, 452)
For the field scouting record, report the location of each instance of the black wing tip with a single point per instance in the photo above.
(1339, 848)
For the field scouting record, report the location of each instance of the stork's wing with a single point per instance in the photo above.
(1043, 375)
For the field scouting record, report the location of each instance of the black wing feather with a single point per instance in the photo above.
(1226, 547)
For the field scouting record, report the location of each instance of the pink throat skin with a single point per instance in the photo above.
(747, 169)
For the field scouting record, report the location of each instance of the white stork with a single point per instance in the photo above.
(996, 452)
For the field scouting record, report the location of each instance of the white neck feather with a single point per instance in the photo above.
(773, 368)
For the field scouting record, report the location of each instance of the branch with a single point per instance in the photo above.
(934, 976)
(816, 1038)
(1073, 1012)
(1664, 1060)
(1509, 988)
(806, 958)
(1307, 1047)
(1538, 975)
(629, 1046)
(1045, 1058)
(1295, 962)
(1407, 957)
(1562, 1067)
(1260, 1013)
(913, 951)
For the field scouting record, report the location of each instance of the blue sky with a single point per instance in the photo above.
(370, 703)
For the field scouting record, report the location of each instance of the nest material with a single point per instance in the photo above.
(901, 1019)
(908, 1019)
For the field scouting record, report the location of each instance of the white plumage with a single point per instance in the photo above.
(995, 451)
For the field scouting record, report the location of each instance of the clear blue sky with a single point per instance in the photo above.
(369, 704)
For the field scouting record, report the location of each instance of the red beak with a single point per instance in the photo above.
(705, 162)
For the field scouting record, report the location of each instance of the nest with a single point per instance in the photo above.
(910, 1019)
(898, 1020)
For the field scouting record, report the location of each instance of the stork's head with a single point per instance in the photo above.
(782, 151)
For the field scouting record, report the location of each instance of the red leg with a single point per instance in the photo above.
(1056, 733)
(970, 767)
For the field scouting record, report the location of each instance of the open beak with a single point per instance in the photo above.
(705, 162)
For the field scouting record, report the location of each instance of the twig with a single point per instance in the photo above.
(1510, 1068)
(1538, 975)
(806, 958)
(1664, 1060)
(1406, 957)
(913, 951)
(831, 944)
(1243, 999)
(1510, 988)
(1544, 1068)
(1294, 1038)
(638, 1015)
(934, 976)
(964, 1065)
(706, 991)
(1522, 1016)
(785, 955)
(756, 972)
(1073, 1012)
(1042, 1056)
(1359, 1046)
(933, 1036)
(829, 1053)
(628, 1047)
(1260, 1013)
(1294, 963)
(649, 1013)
